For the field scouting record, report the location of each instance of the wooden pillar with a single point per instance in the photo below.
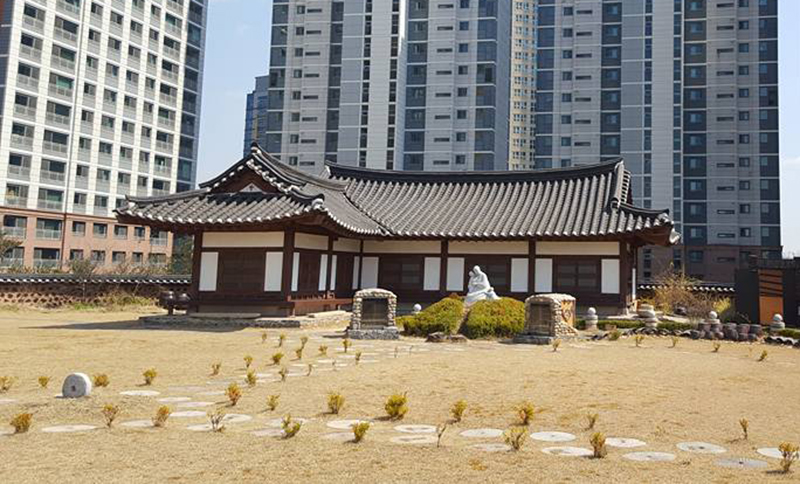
(445, 254)
(531, 266)
(197, 251)
(624, 274)
(288, 262)
(360, 265)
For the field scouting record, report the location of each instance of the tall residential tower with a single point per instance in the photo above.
(99, 99)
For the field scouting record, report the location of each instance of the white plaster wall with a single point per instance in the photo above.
(347, 245)
(369, 272)
(577, 248)
(633, 286)
(543, 282)
(433, 271)
(334, 261)
(356, 271)
(209, 262)
(274, 272)
(455, 274)
(609, 276)
(295, 270)
(512, 248)
(310, 241)
(242, 239)
(519, 275)
(402, 247)
(323, 272)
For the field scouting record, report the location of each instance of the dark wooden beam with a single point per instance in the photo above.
(531, 266)
(197, 250)
(330, 264)
(443, 268)
(288, 259)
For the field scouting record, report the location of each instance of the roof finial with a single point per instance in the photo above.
(254, 147)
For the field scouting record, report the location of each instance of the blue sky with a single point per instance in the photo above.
(237, 51)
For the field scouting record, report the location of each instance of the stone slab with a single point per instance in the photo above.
(482, 433)
(568, 451)
(188, 414)
(701, 448)
(492, 447)
(624, 443)
(344, 424)
(650, 456)
(553, 436)
(58, 429)
(742, 463)
(416, 429)
(140, 393)
(771, 452)
(414, 439)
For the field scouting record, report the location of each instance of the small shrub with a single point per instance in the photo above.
(22, 423)
(161, 417)
(591, 420)
(216, 419)
(516, 436)
(303, 341)
(346, 344)
(44, 381)
(717, 346)
(263, 337)
(763, 356)
(149, 376)
(251, 379)
(674, 340)
(396, 351)
(281, 339)
(290, 427)
(272, 402)
(556, 343)
(215, 368)
(283, 374)
(503, 318)
(276, 358)
(789, 454)
(440, 430)
(6, 382)
(790, 333)
(335, 403)
(110, 413)
(101, 380)
(248, 361)
(526, 412)
(299, 353)
(457, 410)
(638, 339)
(614, 335)
(360, 431)
(234, 394)
(358, 357)
(396, 406)
(310, 369)
(444, 316)
(598, 442)
(745, 425)
(333, 365)
(323, 350)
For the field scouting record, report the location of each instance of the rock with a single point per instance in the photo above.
(417, 309)
(440, 337)
(76, 385)
(777, 324)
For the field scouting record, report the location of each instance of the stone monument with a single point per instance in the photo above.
(374, 314)
(777, 323)
(548, 317)
(591, 319)
(479, 288)
(76, 385)
(648, 313)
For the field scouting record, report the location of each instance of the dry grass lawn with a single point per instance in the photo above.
(654, 393)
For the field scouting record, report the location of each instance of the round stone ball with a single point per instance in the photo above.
(592, 312)
(76, 385)
(713, 315)
(417, 308)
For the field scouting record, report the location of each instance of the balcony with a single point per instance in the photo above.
(66, 36)
(19, 141)
(78, 208)
(27, 82)
(164, 170)
(159, 241)
(174, 54)
(60, 92)
(174, 29)
(30, 53)
(105, 159)
(91, 73)
(102, 186)
(109, 107)
(112, 81)
(82, 182)
(18, 233)
(167, 99)
(54, 148)
(107, 133)
(163, 146)
(166, 123)
(68, 8)
(87, 128)
(100, 212)
(144, 167)
(128, 137)
(89, 101)
(46, 263)
(51, 177)
(125, 164)
(131, 87)
(16, 201)
(195, 17)
(96, 20)
(169, 76)
(52, 205)
(35, 24)
(19, 172)
(25, 112)
(62, 63)
(176, 7)
(58, 120)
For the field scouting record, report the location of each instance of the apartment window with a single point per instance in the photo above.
(100, 231)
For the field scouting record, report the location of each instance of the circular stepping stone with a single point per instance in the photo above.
(481, 433)
(58, 429)
(6, 401)
(416, 429)
(195, 404)
(650, 457)
(138, 424)
(367, 362)
(700, 448)
(624, 443)
(268, 433)
(140, 393)
(278, 422)
(188, 414)
(742, 463)
(344, 424)
(174, 399)
(771, 452)
(553, 436)
(213, 393)
(492, 447)
(414, 439)
(199, 428)
(5, 433)
(234, 418)
(326, 361)
(568, 451)
(339, 436)
(187, 389)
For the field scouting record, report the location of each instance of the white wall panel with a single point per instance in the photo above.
(519, 275)
(334, 261)
(356, 272)
(455, 274)
(274, 272)
(433, 271)
(577, 248)
(610, 276)
(209, 262)
(369, 273)
(309, 241)
(543, 282)
(347, 245)
(295, 270)
(242, 239)
(323, 272)
(402, 247)
(514, 248)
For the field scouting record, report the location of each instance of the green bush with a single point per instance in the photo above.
(502, 318)
(445, 316)
(790, 333)
(603, 324)
(676, 326)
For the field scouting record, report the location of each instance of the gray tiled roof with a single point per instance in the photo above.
(577, 203)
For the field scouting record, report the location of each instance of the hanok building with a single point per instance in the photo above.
(273, 240)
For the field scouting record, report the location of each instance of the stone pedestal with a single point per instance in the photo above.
(777, 324)
(548, 317)
(374, 314)
(648, 313)
(591, 319)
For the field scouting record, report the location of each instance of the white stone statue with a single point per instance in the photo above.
(479, 287)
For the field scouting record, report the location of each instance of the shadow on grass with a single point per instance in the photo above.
(135, 325)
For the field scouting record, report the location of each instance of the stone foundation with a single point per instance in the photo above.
(244, 320)
(374, 315)
(548, 317)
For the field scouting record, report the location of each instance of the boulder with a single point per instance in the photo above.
(76, 385)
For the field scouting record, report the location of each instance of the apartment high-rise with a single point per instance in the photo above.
(336, 82)
(686, 92)
(99, 99)
(255, 120)
(521, 129)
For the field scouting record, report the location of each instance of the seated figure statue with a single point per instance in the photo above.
(479, 287)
